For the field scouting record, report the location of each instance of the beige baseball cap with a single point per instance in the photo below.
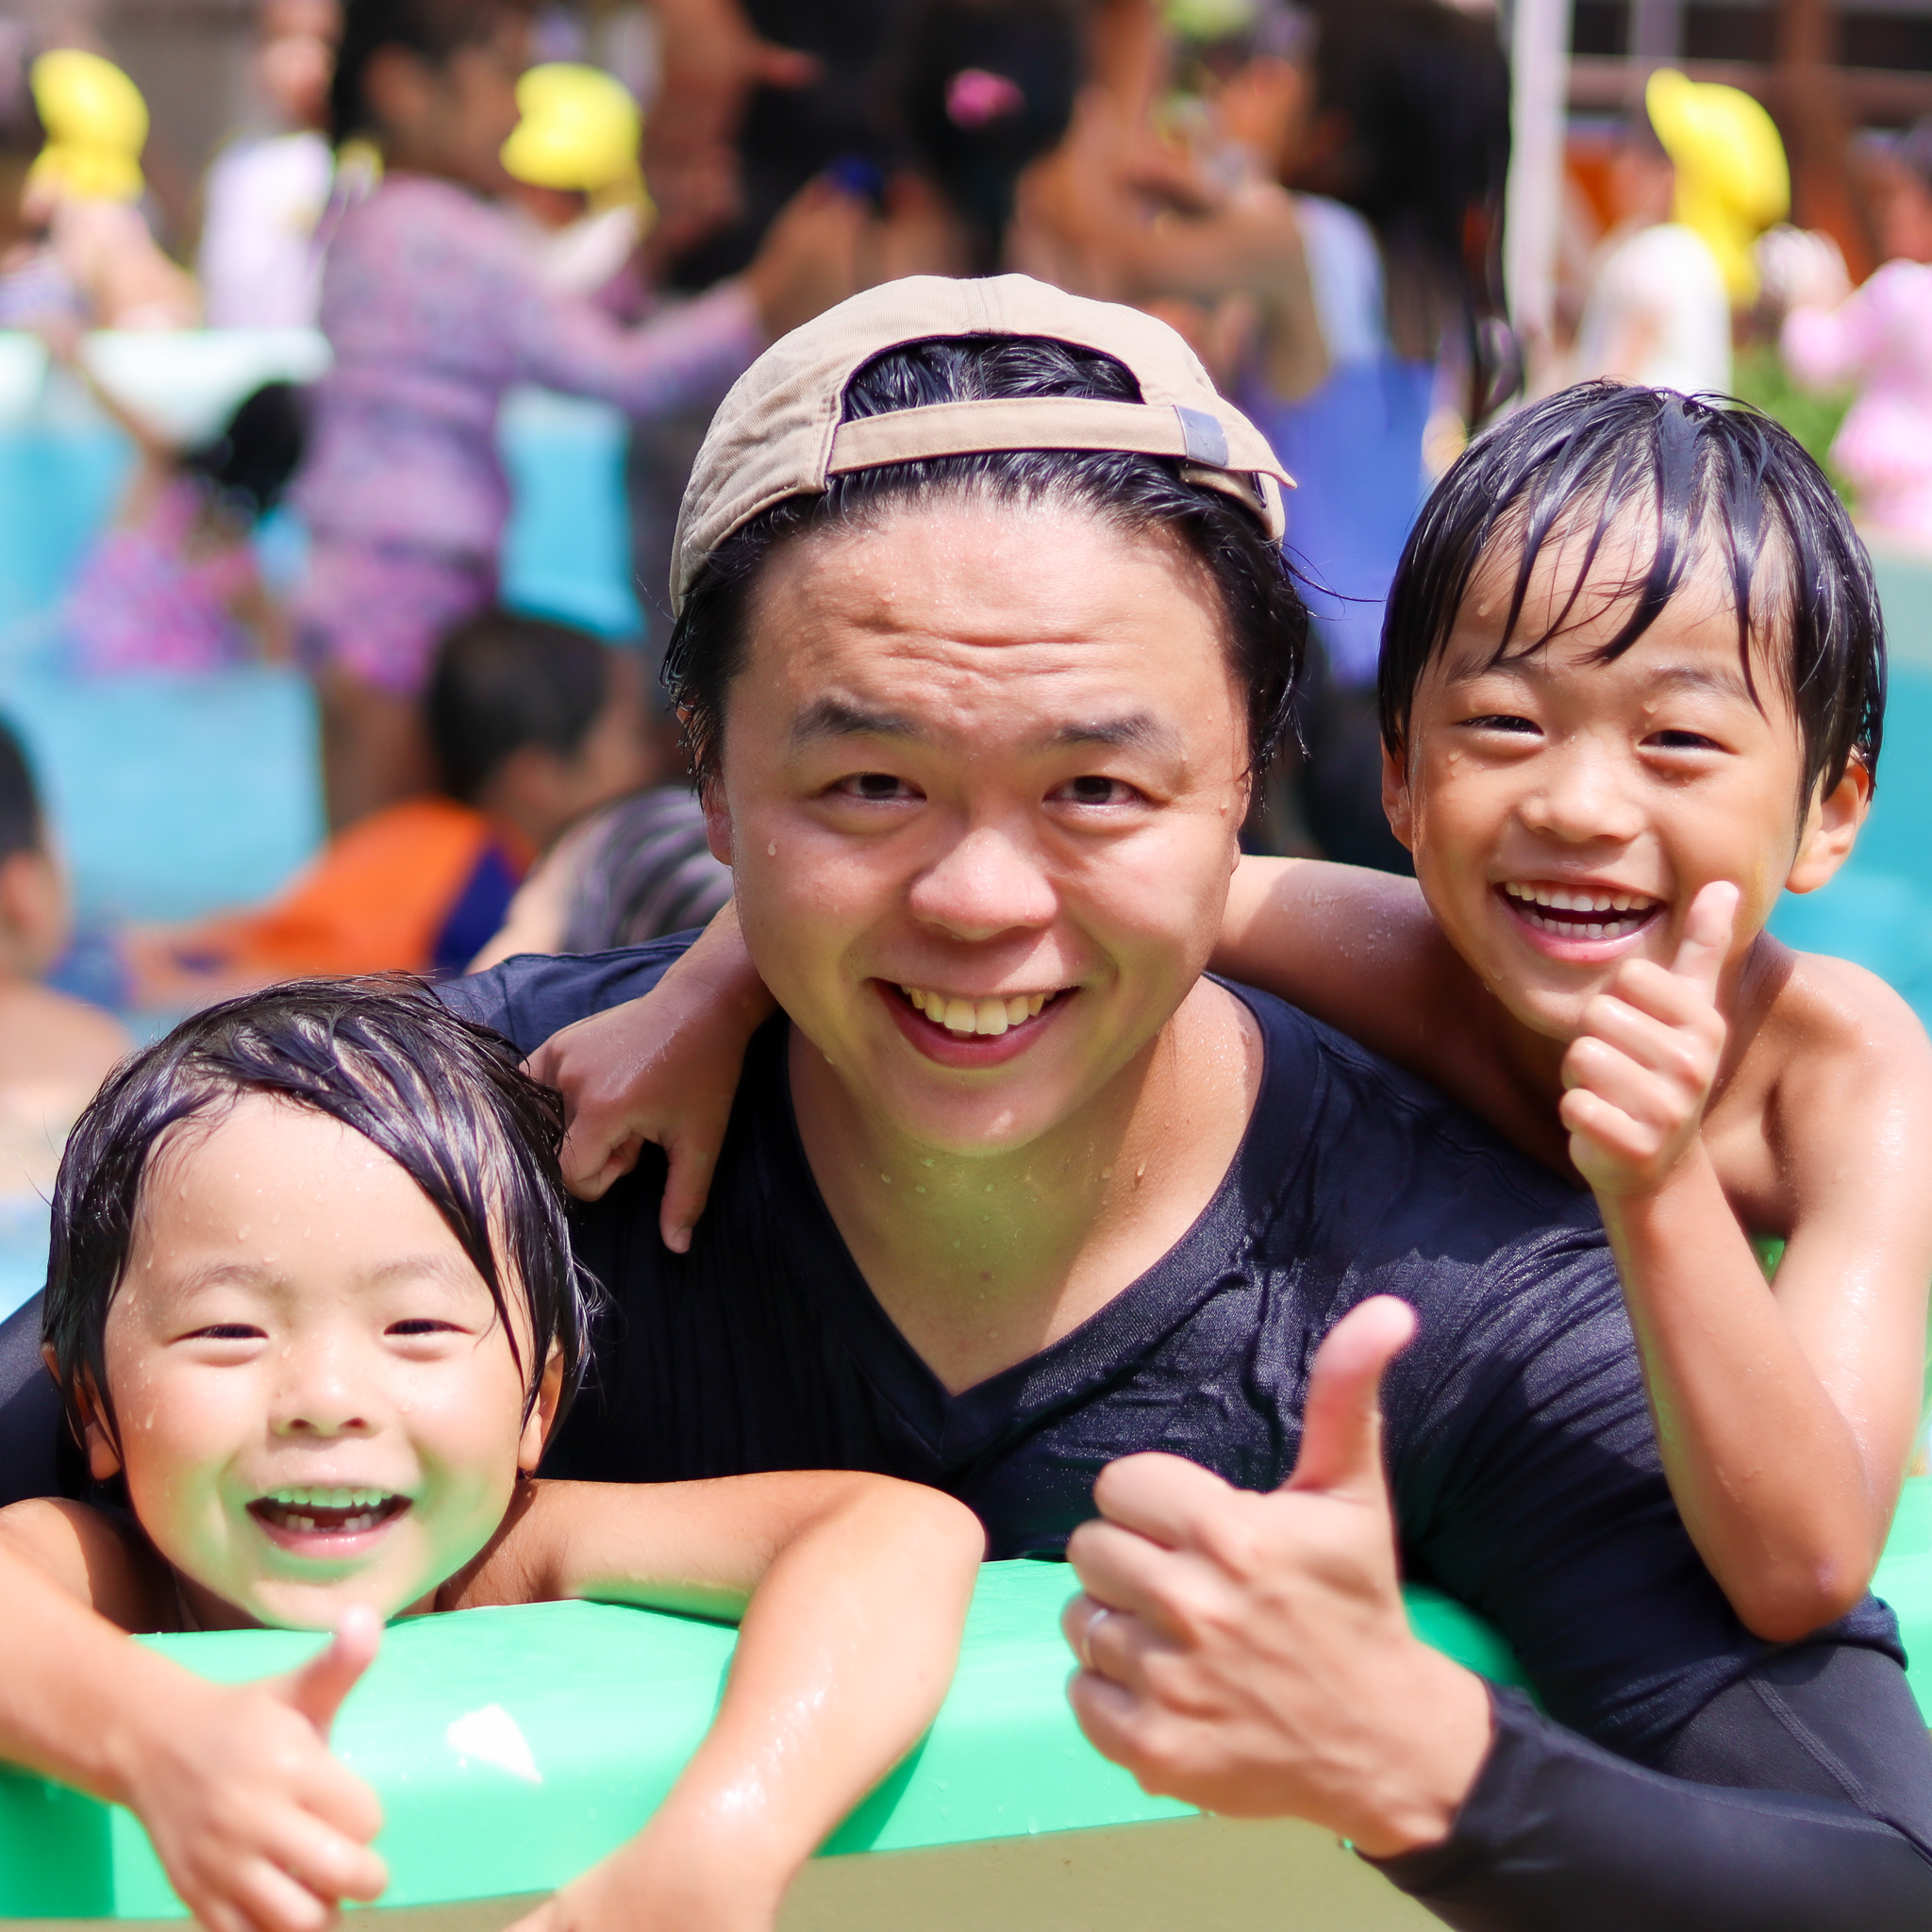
(777, 434)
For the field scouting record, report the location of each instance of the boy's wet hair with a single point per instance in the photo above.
(444, 1099)
(1705, 476)
(502, 681)
(1265, 620)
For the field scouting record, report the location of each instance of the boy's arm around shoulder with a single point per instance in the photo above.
(853, 1589)
(252, 1819)
(1361, 951)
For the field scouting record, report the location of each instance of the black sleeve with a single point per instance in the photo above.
(528, 998)
(1810, 1811)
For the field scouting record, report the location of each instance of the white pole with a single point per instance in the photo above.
(1539, 99)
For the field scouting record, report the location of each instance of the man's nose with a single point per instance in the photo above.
(1581, 797)
(983, 885)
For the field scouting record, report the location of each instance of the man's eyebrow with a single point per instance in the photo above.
(1137, 729)
(847, 718)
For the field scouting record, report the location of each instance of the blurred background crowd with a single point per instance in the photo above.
(354, 352)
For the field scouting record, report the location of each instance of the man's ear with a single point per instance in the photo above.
(103, 1453)
(543, 1414)
(1396, 802)
(1831, 829)
(717, 819)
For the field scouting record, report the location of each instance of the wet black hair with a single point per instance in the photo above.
(502, 681)
(1422, 91)
(247, 465)
(1265, 620)
(433, 29)
(982, 89)
(21, 826)
(1709, 476)
(444, 1099)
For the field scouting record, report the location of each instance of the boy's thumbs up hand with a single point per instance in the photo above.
(1251, 1654)
(260, 1828)
(1640, 1069)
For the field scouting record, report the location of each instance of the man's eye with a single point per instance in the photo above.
(874, 786)
(1094, 789)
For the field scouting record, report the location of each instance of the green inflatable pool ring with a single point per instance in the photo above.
(511, 1748)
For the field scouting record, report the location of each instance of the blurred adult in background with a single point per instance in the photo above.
(1700, 175)
(434, 304)
(1879, 339)
(266, 192)
(83, 255)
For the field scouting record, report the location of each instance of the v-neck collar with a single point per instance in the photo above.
(958, 1428)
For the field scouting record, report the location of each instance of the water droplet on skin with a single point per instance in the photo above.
(1106, 1174)
(772, 850)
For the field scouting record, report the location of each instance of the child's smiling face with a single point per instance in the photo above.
(1563, 811)
(314, 1401)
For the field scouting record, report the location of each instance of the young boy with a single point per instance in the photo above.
(313, 1311)
(1632, 688)
(533, 724)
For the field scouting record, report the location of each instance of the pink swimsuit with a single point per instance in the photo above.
(140, 602)
(432, 302)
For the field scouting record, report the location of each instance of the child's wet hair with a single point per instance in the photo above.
(444, 1099)
(1705, 475)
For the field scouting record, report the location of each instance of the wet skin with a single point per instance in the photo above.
(981, 762)
(314, 1402)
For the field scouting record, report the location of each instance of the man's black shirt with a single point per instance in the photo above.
(1520, 1449)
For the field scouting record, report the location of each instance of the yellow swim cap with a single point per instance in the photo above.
(96, 125)
(580, 131)
(1732, 179)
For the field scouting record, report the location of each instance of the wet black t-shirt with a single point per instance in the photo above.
(1520, 1449)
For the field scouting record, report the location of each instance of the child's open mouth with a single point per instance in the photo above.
(290, 1515)
(1579, 912)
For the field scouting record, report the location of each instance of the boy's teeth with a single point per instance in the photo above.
(1626, 912)
(963, 1016)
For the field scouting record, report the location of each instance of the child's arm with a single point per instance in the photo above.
(255, 1824)
(857, 1588)
(663, 1068)
(1784, 1418)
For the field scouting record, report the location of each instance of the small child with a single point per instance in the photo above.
(533, 726)
(313, 1312)
(54, 1049)
(174, 584)
(1632, 687)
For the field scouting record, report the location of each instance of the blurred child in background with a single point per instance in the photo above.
(532, 725)
(1880, 338)
(266, 192)
(434, 304)
(174, 586)
(54, 1050)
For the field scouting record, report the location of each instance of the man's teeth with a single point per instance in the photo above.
(959, 1015)
(1620, 913)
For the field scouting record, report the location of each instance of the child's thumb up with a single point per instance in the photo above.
(317, 1690)
(1706, 940)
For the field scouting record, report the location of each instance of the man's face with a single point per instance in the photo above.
(982, 775)
(1564, 812)
(315, 1404)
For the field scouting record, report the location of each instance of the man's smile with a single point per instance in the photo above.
(969, 1030)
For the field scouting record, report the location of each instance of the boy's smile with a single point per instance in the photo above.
(1564, 810)
(313, 1400)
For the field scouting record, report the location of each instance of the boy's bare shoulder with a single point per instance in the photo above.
(1834, 1029)
(102, 1560)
